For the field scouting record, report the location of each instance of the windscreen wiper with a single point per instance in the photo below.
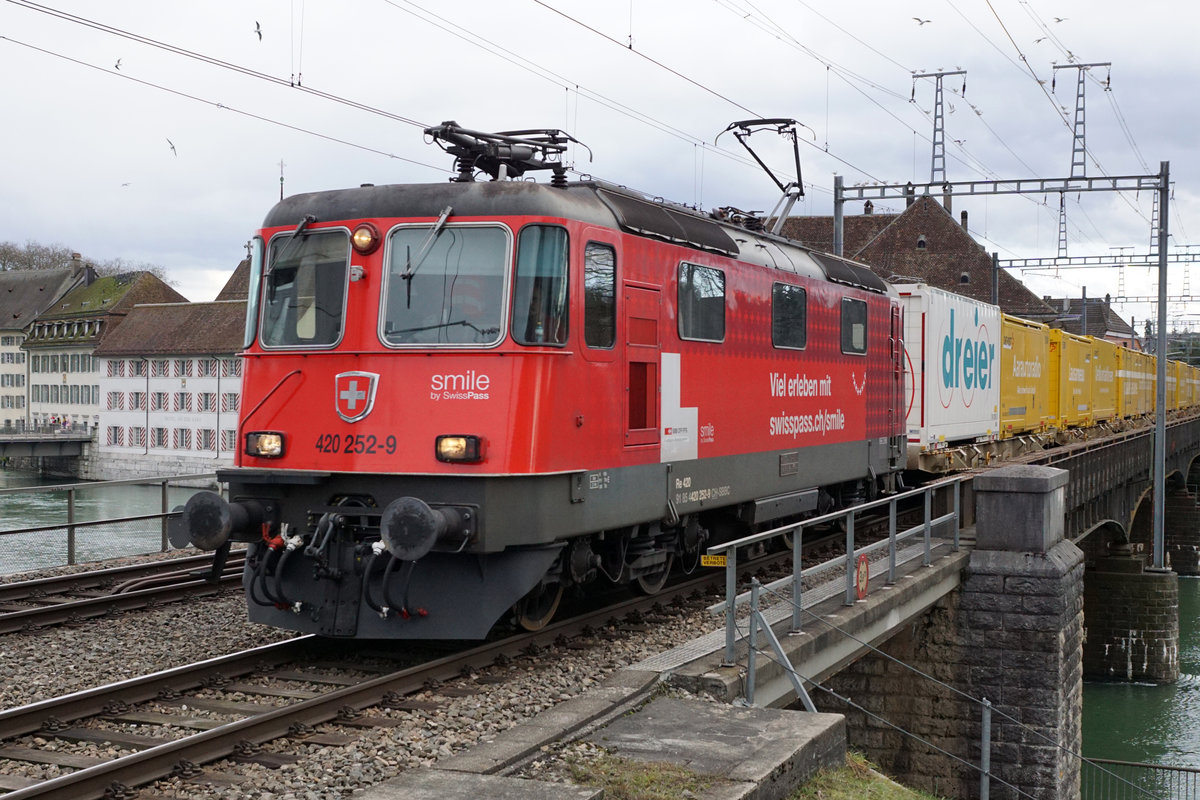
(309, 219)
(410, 268)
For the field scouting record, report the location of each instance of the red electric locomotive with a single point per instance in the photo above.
(463, 398)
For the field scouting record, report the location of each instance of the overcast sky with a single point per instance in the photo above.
(118, 144)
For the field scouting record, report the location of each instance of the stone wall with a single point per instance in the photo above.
(1182, 532)
(1132, 621)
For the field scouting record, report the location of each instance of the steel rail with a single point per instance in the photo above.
(80, 609)
(94, 578)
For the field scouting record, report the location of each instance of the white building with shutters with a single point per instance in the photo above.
(170, 391)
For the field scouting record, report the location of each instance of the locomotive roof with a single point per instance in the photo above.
(586, 201)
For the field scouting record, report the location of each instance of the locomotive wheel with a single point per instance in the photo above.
(652, 583)
(535, 609)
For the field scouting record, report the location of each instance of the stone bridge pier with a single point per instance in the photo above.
(1011, 633)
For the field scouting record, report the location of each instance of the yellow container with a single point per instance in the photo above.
(1105, 387)
(1025, 377)
(1070, 387)
(1136, 379)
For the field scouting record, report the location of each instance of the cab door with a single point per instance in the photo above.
(642, 345)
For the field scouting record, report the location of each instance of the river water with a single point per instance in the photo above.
(1147, 723)
(26, 551)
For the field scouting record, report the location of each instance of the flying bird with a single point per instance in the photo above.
(1060, 19)
(1037, 41)
(118, 64)
(123, 185)
(921, 21)
(172, 145)
(258, 30)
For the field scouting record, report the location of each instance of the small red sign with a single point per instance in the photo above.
(862, 575)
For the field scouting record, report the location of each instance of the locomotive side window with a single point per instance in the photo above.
(789, 316)
(305, 289)
(445, 290)
(600, 295)
(540, 290)
(701, 303)
(854, 325)
(256, 265)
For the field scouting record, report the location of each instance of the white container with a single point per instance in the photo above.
(952, 369)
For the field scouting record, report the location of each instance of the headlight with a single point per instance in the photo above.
(365, 238)
(459, 448)
(264, 444)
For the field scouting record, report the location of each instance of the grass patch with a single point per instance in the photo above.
(858, 780)
(623, 779)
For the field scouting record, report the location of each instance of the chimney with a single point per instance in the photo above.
(963, 217)
(910, 194)
(1107, 300)
(868, 208)
(947, 197)
(76, 256)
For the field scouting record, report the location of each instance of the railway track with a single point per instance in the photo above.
(33, 604)
(170, 722)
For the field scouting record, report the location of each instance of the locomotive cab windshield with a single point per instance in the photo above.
(305, 297)
(453, 294)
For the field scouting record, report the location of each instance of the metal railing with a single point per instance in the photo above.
(854, 561)
(1104, 779)
(73, 524)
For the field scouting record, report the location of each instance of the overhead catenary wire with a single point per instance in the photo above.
(701, 86)
(221, 106)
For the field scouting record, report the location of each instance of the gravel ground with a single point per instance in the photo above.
(58, 660)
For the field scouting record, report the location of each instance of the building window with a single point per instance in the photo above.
(137, 369)
(206, 368)
(701, 303)
(207, 439)
(181, 438)
(160, 401)
(231, 368)
(230, 401)
(137, 401)
(75, 394)
(160, 368)
(137, 437)
(207, 401)
(228, 440)
(158, 437)
(116, 401)
(116, 436)
(183, 368)
(116, 368)
(183, 401)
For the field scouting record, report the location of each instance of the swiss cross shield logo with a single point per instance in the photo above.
(354, 394)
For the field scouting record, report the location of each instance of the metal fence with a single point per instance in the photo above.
(1102, 779)
(855, 560)
(136, 527)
